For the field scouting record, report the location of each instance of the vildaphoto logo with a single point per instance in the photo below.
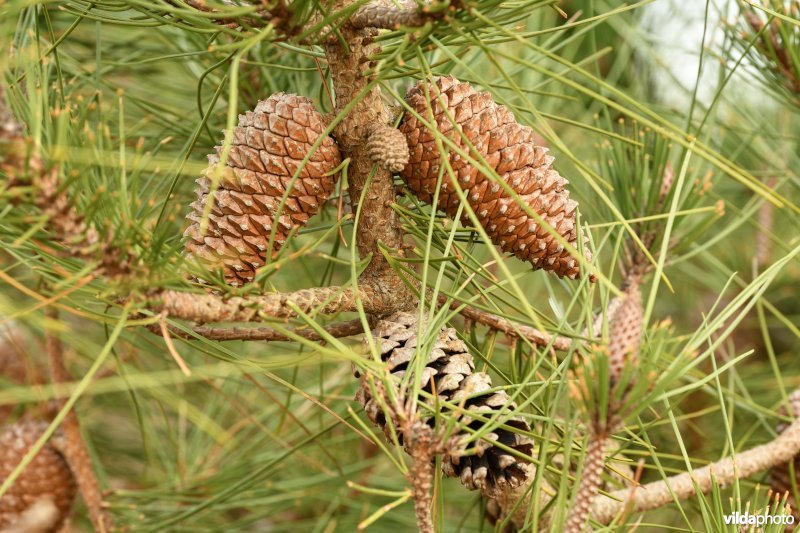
(747, 519)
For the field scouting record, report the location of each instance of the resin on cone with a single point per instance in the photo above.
(489, 132)
(269, 146)
(47, 478)
(450, 373)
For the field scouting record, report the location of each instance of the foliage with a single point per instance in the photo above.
(126, 98)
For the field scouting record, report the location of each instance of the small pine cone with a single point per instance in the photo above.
(269, 145)
(47, 477)
(492, 135)
(781, 476)
(625, 329)
(450, 372)
(387, 147)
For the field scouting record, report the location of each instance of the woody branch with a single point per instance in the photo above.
(724, 472)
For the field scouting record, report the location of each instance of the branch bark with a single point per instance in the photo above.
(606, 508)
(378, 15)
(683, 486)
(392, 14)
(370, 187)
(509, 327)
(377, 294)
(342, 329)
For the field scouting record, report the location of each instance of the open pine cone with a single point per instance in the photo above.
(450, 372)
(489, 132)
(269, 145)
(47, 479)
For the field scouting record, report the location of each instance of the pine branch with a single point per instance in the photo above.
(210, 308)
(508, 327)
(279, 15)
(377, 221)
(381, 15)
(609, 507)
(391, 15)
(377, 295)
(722, 473)
(623, 349)
(766, 214)
(342, 329)
(420, 442)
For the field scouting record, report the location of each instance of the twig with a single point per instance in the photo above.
(625, 330)
(682, 486)
(279, 16)
(208, 308)
(508, 327)
(386, 15)
(606, 508)
(341, 329)
(162, 324)
(377, 15)
(72, 445)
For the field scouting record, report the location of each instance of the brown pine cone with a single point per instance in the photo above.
(47, 478)
(492, 135)
(450, 372)
(269, 146)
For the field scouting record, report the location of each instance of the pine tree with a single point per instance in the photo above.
(457, 265)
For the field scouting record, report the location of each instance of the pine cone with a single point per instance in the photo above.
(269, 146)
(508, 148)
(47, 477)
(450, 372)
(387, 147)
